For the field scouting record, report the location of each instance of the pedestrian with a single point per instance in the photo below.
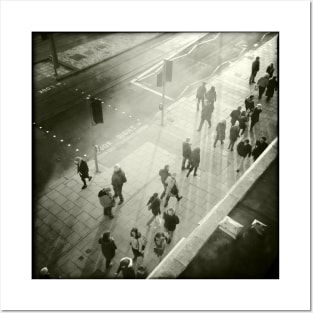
(108, 248)
(107, 201)
(195, 161)
(201, 92)
(233, 135)
(255, 116)
(159, 244)
(235, 114)
(186, 154)
(249, 103)
(138, 243)
(82, 170)
(126, 266)
(270, 70)
(154, 205)
(271, 87)
(170, 222)
(220, 132)
(118, 180)
(44, 273)
(255, 69)
(262, 84)
(206, 115)
(211, 96)
(243, 122)
(260, 146)
(244, 150)
(171, 189)
(141, 272)
(164, 173)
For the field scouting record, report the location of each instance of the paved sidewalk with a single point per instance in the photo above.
(69, 221)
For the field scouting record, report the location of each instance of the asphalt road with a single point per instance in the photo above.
(125, 104)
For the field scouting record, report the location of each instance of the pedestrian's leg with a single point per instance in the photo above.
(108, 262)
(166, 200)
(190, 169)
(202, 102)
(198, 102)
(163, 193)
(195, 171)
(209, 121)
(215, 141)
(201, 123)
(150, 220)
(183, 163)
(115, 192)
(110, 212)
(84, 182)
(120, 194)
(240, 164)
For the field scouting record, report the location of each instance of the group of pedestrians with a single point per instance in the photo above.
(203, 94)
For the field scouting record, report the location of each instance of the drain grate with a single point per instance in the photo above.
(77, 57)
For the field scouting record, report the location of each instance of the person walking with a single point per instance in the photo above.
(107, 201)
(220, 132)
(154, 205)
(260, 146)
(271, 88)
(159, 244)
(127, 268)
(255, 69)
(233, 135)
(108, 248)
(255, 116)
(171, 189)
(201, 92)
(211, 96)
(249, 104)
(244, 149)
(137, 242)
(235, 114)
(82, 170)
(270, 70)
(170, 222)
(206, 115)
(141, 272)
(118, 180)
(186, 153)
(164, 173)
(262, 84)
(243, 121)
(195, 161)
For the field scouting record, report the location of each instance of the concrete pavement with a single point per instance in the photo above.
(68, 221)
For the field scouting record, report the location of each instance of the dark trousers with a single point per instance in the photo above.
(202, 121)
(243, 130)
(194, 172)
(261, 91)
(252, 124)
(108, 262)
(108, 211)
(167, 199)
(216, 139)
(198, 102)
(184, 163)
(231, 145)
(252, 77)
(118, 192)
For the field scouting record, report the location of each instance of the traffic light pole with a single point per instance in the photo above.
(93, 136)
(163, 94)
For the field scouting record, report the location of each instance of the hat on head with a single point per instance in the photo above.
(259, 105)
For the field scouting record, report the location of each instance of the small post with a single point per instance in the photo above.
(54, 55)
(93, 137)
(163, 94)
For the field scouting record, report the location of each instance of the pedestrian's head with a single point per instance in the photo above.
(77, 160)
(117, 167)
(170, 211)
(126, 262)
(106, 236)
(239, 108)
(251, 97)
(246, 141)
(213, 88)
(166, 167)
(259, 106)
(188, 140)
(155, 194)
(243, 113)
(237, 123)
(174, 175)
(224, 122)
(263, 139)
(204, 83)
(44, 271)
(197, 150)
(134, 232)
(274, 77)
(258, 58)
(267, 75)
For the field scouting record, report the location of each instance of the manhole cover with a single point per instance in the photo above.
(88, 251)
(100, 46)
(77, 57)
(81, 258)
(89, 52)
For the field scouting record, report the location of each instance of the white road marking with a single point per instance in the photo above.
(151, 90)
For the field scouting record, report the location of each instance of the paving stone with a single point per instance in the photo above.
(73, 238)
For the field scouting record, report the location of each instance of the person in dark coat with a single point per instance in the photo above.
(254, 70)
(233, 135)
(249, 104)
(186, 153)
(201, 92)
(154, 205)
(118, 180)
(243, 121)
(260, 146)
(126, 266)
(235, 114)
(206, 115)
(108, 248)
(82, 170)
(170, 222)
(141, 272)
(271, 87)
(159, 244)
(211, 96)
(270, 70)
(220, 132)
(107, 201)
(244, 150)
(262, 84)
(164, 173)
(255, 116)
(195, 161)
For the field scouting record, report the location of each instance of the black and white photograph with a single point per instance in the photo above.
(151, 147)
